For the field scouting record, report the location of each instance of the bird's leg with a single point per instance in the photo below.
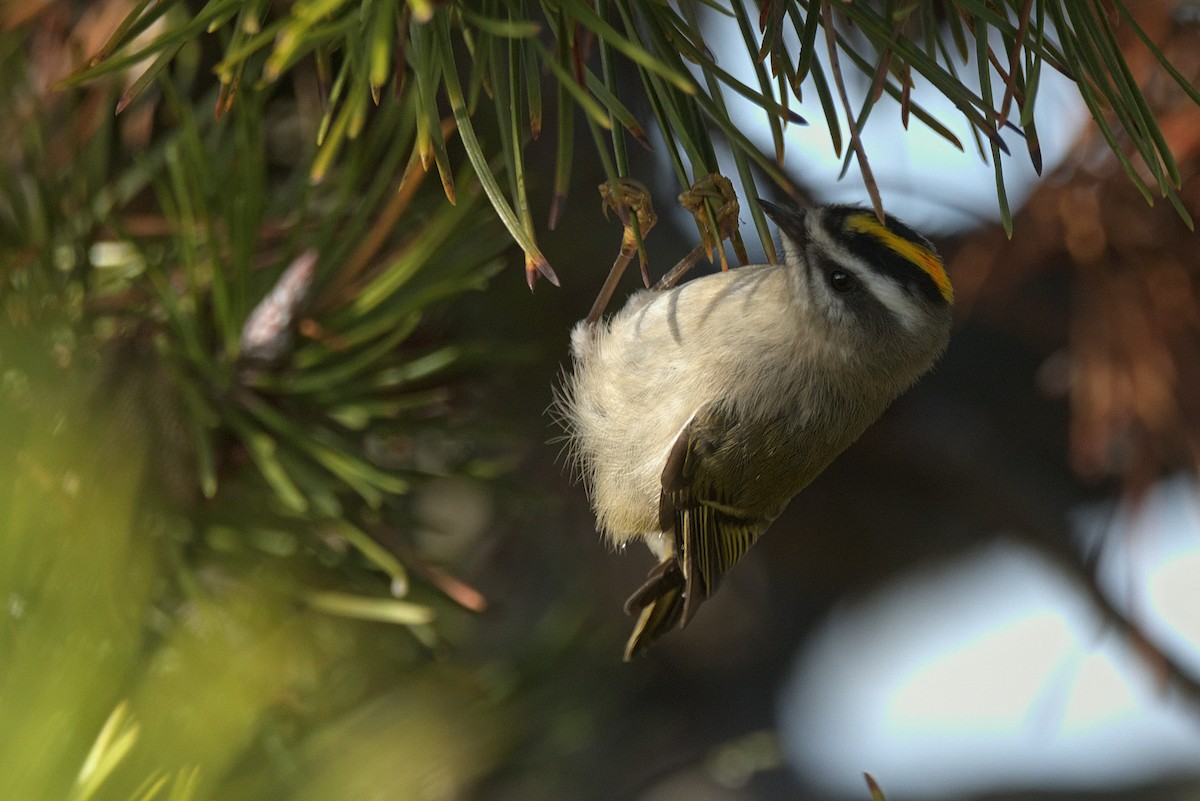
(715, 188)
(681, 269)
(625, 195)
(610, 286)
(713, 202)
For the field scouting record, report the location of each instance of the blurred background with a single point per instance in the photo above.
(283, 513)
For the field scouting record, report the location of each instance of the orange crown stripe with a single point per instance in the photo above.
(919, 255)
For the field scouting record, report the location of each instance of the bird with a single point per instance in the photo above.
(694, 414)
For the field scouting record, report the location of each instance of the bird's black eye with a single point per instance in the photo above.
(842, 281)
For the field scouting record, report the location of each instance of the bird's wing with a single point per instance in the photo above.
(711, 532)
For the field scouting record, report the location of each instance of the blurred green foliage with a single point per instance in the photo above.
(115, 686)
(221, 393)
(75, 581)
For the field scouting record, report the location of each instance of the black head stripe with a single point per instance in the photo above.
(859, 230)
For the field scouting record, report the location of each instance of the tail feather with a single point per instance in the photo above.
(661, 601)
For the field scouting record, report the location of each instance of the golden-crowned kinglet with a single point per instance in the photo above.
(696, 413)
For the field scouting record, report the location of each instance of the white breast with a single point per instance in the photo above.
(639, 379)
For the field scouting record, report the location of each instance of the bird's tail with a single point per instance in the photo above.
(660, 602)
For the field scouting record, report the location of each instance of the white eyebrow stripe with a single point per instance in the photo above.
(892, 295)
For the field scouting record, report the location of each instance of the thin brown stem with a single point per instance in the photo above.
(1014, 60)
(610, 285)
(855, 140)
(410, 181)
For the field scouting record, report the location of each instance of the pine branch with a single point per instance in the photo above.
(277, 319)
(503, 51)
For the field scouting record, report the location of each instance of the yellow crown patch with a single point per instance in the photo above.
(923, 257)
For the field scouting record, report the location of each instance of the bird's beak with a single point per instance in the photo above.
(790, 220)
